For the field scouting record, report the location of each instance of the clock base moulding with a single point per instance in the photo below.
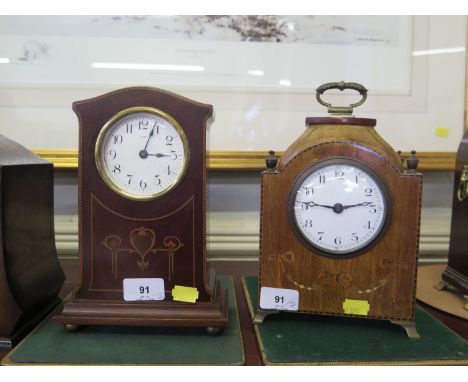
(169, 314)
(451, 277)
(27, 324)
(408, 326)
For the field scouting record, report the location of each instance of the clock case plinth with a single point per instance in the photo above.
(456, 273)
(30, 274)
(209, 314)
(383, 274)
(160, 238)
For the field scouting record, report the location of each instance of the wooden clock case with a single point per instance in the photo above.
(456, 273)
(30, 274)
(162, 238)
(385, 273)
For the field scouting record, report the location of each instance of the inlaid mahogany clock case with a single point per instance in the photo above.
(161, 238)
(384, 273)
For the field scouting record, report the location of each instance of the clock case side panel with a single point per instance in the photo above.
(193, 117)
(30, 274)
(10, 312)
(385, 275)
(456, 272)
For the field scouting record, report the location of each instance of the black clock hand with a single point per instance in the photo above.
(337, 207)
(313, 204)
(159, 155)
(143, 153)
(149, 137)
(357, 205)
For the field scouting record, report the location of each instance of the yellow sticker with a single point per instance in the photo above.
(184, 294)
(359, 307)
(442, 132)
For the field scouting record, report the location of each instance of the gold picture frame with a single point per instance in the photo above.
(248, 160)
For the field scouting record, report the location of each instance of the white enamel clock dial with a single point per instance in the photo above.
(339, 207)
(142, 153)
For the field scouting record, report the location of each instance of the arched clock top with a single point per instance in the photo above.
(138, 92)
(360, 132)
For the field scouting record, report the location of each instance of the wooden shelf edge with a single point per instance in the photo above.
(248, 160)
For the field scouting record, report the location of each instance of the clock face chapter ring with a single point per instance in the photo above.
(339, 207)
(142, 153)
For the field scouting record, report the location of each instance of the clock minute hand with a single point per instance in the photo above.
(357, 205)
(149, 137)
(143, 153)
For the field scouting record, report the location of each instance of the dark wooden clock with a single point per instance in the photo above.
(142, 186)
(456, 273)
(30, 273)
(340, 222)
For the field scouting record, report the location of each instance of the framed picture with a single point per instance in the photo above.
(259, 72)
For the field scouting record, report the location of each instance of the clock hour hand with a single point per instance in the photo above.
(143, 153)
(159, 155)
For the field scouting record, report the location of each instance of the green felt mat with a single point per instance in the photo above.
(296, 339)
(98, 345)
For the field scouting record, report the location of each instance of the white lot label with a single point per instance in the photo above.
(143, 289)
(277, 298)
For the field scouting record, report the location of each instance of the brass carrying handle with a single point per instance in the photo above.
(463, 186)
(341, 86)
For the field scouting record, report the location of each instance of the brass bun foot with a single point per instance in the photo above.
(410, 328)
(260, 315)
(466, 302)
(213, 331)
(71, 328)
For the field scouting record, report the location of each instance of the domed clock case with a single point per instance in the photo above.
(340, 221)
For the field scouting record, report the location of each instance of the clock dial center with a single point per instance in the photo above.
(143, 154)
(338, 208)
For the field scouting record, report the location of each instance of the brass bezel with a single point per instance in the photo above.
(103, 170)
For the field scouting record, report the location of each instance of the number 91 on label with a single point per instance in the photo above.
(149, 289)
(279, 299)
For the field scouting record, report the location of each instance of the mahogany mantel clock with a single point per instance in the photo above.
(142, 213)
(340, 222)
